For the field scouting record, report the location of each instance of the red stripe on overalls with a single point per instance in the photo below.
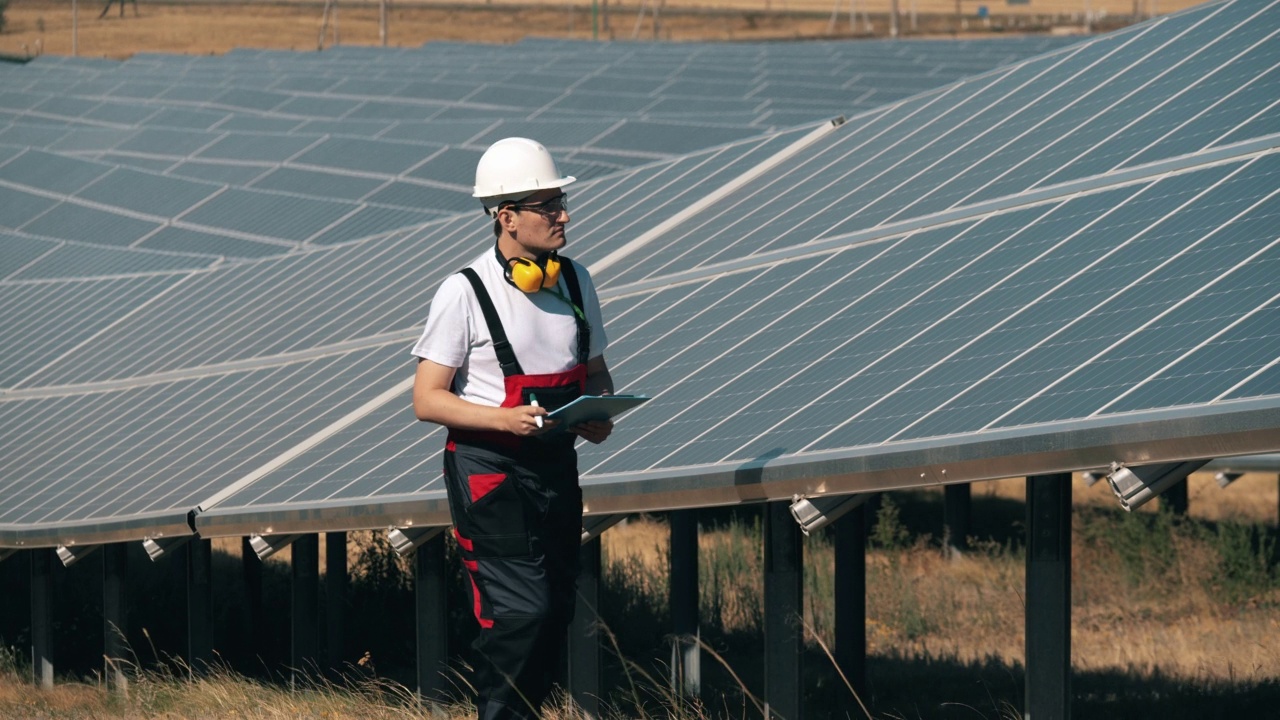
(473, 569)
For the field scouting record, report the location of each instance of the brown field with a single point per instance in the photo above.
(922, 604)
(36, 26)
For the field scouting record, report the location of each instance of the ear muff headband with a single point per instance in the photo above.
(533, 275)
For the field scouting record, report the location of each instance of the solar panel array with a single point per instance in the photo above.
(257, 153)
(1051, 264)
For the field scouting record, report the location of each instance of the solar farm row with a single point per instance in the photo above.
(1050, 265)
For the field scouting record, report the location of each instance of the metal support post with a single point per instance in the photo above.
(584, 639)
(382, 22)
(955, 517)
(783, 605)
(430, 592)
(1176, 498)
(115, 612)
(335, 597)
(251, 567)
(686, 653)
(199, 603)
(851, 601)
(42, 617)
(304, 593)
(1048, 609)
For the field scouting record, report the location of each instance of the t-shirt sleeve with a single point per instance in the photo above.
(448, 335)
(595, 318)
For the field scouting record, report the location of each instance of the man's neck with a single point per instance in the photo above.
(511, 249)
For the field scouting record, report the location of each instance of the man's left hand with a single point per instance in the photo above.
(593, 431)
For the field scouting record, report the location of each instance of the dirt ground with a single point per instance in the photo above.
(45, 26)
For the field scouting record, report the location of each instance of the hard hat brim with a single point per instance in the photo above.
(520, 194)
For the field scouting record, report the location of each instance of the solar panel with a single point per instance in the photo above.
(1047, 329)
(1032, 126)
(119, 492)
(43, 321)
(233, 119)
(76, 261)
(770, 287)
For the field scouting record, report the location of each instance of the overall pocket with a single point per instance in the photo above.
(496, 516)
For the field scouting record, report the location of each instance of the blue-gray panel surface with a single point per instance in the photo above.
(729, 327)
(230, 173)
(51, 172)
(70, 221)
(370, 221)
(76, 261)
(374, 156)
(269, 214)
(18, 207)
(187, 240)
(318, 184)
(147, 193)
(165, 141)
(413, 195)
(18, 251)
(45, 320)
(209, 433)
(258, 148)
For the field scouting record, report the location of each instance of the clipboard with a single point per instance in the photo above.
(595, 407)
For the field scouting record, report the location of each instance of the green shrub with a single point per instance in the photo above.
(1142, 542)
(889, 532)
(1247, 565)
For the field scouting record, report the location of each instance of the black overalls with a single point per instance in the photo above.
(517, 515)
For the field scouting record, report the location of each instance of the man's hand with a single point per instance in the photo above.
(593, 431)
(523, 420)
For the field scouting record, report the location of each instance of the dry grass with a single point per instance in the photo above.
(199, 28)
(1176, 619)
(1152, 608)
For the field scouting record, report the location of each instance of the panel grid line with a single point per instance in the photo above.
(816, 328)
(1150, 272)
(1131, 123)
(1203, 343)
(1075, 100)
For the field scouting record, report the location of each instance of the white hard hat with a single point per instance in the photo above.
(514, 168)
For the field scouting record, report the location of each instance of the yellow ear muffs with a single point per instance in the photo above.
(525, 274)
(531, 276)
(550, 270)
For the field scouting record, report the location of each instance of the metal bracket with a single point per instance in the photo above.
(1226, 477)
(267, 545)
(72, 554)
(406, 540)
(816, 513)
(1135, 486)
(157, 547)
(594, 525)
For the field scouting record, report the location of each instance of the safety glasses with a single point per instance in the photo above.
(550, 208)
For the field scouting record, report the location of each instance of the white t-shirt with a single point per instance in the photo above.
(540, 327)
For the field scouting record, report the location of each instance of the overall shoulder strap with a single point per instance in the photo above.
(506, 356)
(575, 296)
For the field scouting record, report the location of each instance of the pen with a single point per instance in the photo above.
(533, 400)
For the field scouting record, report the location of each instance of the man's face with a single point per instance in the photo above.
(538, 229)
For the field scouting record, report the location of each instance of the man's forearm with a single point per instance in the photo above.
(599, 383)
(444, 408)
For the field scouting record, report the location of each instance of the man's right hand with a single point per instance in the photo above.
(522, 420)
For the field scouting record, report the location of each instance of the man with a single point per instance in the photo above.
(514, 335)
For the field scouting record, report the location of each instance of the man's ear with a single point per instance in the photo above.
(508, 220)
